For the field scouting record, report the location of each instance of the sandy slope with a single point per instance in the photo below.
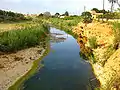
(15, 65)
(103, 33)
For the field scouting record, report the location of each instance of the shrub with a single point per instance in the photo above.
(93, 42)
(87, 17)
(116, 31)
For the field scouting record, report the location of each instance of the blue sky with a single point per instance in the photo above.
(38, 6)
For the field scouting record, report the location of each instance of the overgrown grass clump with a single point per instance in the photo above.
(22, 38)
(110, 50)
(93, 42)
(116, 31)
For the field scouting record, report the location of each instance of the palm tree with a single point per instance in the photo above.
(112, 3)
(118, 3)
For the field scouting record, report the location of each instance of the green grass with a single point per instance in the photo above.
(26, 37)
(93, 42)
(110, 50)
(116, 31)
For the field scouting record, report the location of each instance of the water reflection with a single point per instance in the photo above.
(58, 37)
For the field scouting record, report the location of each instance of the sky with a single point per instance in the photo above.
(53, 6)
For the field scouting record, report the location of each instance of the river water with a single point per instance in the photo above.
(63, 69)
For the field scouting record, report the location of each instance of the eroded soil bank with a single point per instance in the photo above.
(15, 65)
(106, 63)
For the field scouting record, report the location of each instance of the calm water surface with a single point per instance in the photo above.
(63, 69)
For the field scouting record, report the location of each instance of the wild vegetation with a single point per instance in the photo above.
(30, 35)
(87, 17)
(110, 50)
(93, 42)
(8, 16)
(116, 30)
(66, 23)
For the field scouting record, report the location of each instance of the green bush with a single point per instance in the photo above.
(18, 39)
(87, 17)
(93, 42)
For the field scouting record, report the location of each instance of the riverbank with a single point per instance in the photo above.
(20, 47)
(99, 38)
(15, 65)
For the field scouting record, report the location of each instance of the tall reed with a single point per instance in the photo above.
(22, 38)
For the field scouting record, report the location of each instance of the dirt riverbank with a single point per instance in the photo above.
(15, 65)
(107, 61)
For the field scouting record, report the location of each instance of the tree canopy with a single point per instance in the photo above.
(87, 17)
(99, 11)
(47, 14)
(66, 13)
(10, 16)
(96, 10)
(57, 14)
(40, 15)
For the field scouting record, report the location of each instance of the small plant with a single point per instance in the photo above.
(93, 42)
(116, 31)
(110, 50)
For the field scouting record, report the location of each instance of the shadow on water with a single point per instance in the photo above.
(93, 81)
(64, 68)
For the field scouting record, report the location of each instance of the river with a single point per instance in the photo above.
(63, 69)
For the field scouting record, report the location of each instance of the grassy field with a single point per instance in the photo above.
(6, 27)
(11, 26)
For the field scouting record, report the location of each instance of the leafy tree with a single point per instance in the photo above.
(96, 10)
(118, 3)
(108, 16)
(40, 15)
(47, 14)
(1, 12)
(103, 11)
(87, 17)
(10, 16)
(57, 14)
(66, 13)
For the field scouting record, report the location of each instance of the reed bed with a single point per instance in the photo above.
(26, 36)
